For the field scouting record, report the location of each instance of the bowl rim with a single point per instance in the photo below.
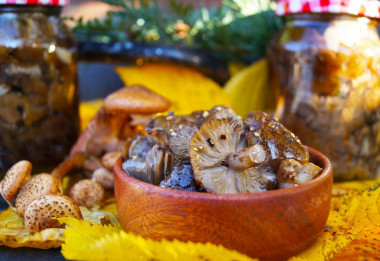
(316, 155)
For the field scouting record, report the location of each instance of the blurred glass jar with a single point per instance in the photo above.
(325, 69)
(38, 95)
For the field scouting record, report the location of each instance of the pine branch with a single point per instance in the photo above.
(237, 29)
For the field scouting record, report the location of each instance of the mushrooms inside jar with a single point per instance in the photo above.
(218, 152)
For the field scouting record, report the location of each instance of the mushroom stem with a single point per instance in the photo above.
(246, 158)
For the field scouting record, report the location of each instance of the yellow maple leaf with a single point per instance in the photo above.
(187, 89)
(14, 234)
(354, 214)
(96, 242)
(87, 111)
(249, 89)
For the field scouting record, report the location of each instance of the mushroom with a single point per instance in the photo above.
(178, 130)
(135, 99)
(16, 176)
(39, 185)
(140, 146)
(88, 193)
(42, 212)
(218, 166)
(109, 159)
(102, 134)
(104, 177)
(90, 164)
(278, 142)
(292, 173)
(220, 112)
(153, 169)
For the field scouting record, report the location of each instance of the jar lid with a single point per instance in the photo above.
(35, 2)
(367, 8)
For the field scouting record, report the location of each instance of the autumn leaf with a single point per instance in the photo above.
(187, 89)
(84, 241)
(249, 89)
(14, 234)
(353, 227)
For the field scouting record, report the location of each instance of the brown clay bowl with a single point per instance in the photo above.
(272, 225)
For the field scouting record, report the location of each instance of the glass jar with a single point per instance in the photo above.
(38, 95)
(325, 69)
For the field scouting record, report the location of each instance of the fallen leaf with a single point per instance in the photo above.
(187, 89)
(14, 234)
(84, 241)
(353, 227)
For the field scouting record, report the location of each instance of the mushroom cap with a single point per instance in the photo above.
(178, 129)
(278, 141)
(139, 147)
(291, 173)
(90, 164)
(104, 177)
(136, 99)
(215, 165)
(109, 159)
(88, 193)
(39, 185)
(16, 176)
(220, 112)
(41, 212)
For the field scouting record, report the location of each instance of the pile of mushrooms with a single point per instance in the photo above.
(94, 154)
(40, 199)
(215, 151)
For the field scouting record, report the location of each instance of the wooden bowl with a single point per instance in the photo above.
(272, 225)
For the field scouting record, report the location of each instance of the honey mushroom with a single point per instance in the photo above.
(292, 173)
(15, 177)
(88, 193)
(104, 177)
(38, 185)
(109, 159)
(42, 212)
(220, 166)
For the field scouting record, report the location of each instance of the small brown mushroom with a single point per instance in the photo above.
(218, 166)
(109, 159)
(292, 173)
(41, 212)
(279, 142)
(90, 164)
(220, 112)
(153, 169)
(88, 193)
(39, 185)
(178, 129)
(104, 177)
(16, 176)
(135, 99)
(102, 134)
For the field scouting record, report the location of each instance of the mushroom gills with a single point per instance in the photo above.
(220, 168)
(153, 169)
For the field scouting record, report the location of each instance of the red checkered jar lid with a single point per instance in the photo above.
(367, 8)
(35, 2)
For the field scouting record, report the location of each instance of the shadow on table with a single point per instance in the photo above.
(23, 253)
